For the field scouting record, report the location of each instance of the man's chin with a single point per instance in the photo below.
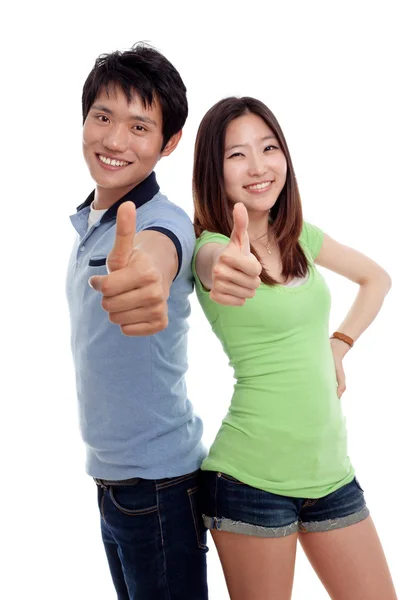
(108, 181)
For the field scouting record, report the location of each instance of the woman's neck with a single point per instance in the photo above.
(258, 228)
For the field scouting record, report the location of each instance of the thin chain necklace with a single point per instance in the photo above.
(267, 244)
(266, 234)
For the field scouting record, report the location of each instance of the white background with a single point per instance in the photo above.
(330, 74)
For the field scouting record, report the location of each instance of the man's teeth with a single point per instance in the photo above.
(112, 162)
(259, 186)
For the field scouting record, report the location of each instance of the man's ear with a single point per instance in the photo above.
(171, 144)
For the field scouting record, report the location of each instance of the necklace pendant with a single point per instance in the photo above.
(269, 250)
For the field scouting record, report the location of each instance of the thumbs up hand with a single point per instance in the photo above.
(239, 236)
(236, 271)
(133, 292)
(122, 252)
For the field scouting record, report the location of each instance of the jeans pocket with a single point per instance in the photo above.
(163, 484)
(131, 501)
(200, 528)
(100, 500)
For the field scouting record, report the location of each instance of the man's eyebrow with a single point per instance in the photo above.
(102, 108)
(267, 137)
(141, 118)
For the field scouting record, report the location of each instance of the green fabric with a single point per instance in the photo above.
(285, 432)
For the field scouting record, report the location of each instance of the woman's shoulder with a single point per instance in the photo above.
(207, 237)
(311, 237)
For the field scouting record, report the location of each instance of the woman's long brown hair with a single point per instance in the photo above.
(212, 209)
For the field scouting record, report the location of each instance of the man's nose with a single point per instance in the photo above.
(116, 139)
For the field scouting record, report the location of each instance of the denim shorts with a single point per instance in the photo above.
(230, 505)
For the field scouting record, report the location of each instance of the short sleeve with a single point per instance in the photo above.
(311, 237)
(205, 238)
(172, 221)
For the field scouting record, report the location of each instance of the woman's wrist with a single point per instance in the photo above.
(340, 346)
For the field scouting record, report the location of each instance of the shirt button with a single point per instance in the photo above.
(82, 248)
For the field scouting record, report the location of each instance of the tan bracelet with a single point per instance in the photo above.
(343, 337)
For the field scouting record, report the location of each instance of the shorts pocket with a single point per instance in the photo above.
(200, 529)
(131, 501)
(229, 478)
(358, 484)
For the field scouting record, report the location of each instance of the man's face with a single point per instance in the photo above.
(122, 140)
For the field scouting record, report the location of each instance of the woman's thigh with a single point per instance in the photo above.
(257, 568)
(350, 562)
(255, 533)
(341, 542)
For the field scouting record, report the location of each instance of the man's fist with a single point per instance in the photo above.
(133, 292)
(236, 272)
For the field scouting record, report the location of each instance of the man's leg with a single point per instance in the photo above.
(132, 539)
(153, 535)
(183, 537)
(114, 562)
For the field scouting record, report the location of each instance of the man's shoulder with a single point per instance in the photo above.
(161, 207)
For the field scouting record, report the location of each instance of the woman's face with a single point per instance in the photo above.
(254, 164)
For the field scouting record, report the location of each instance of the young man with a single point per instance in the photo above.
(129, 279)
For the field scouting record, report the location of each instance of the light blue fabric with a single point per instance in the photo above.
(135, 416)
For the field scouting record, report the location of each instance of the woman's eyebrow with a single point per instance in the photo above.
(267, 137)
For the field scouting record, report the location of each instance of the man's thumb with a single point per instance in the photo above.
(125, 230)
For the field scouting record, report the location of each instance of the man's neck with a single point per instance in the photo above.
(105, 197)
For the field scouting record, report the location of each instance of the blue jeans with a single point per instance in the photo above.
(230, 505)
(154, 538)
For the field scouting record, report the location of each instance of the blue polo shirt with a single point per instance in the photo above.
(135, 416)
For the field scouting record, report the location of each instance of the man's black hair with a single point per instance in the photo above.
(144, 71)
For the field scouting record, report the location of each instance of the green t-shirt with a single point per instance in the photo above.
(284, 432)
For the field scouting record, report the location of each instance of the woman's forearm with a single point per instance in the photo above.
(366, 306)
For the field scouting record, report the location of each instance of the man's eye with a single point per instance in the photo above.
(139, 128)
(103, 119)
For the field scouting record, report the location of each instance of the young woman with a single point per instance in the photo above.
(278, 470)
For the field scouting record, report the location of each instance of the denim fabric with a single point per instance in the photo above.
(154, 538)
(229, 505)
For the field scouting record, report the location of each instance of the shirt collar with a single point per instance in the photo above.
(140, 194)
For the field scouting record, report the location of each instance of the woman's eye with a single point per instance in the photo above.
(235, 154)
(269, 148)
